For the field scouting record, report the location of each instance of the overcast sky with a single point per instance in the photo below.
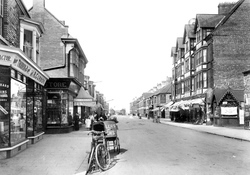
(127, 42)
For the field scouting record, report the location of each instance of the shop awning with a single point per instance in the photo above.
(168, 104)
(174, 109)
(155, 109)
(199, 101)
(85, 103)
(84, 99)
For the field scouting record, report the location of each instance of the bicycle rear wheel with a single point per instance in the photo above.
(102, 157)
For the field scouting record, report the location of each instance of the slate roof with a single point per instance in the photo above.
(173, 51)
(189, 29)
(220, 93)
(235, 7)
(207, 20)
(164, 90)
(147, 95)
(179, 43)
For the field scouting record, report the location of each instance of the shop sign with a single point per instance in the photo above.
(10, 59)
(57, 84)
(229, 111)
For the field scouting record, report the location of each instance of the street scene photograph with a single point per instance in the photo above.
(135, 87)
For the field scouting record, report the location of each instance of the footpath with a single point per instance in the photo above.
(55, 154)
(238, 133)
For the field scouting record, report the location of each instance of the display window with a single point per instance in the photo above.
(4, 106)
(18, 112)
(59, 109)
(54, 109)
(34, 108)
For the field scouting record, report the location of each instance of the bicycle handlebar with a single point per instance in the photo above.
(96, 132)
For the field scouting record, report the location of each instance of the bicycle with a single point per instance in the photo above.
(99, 154)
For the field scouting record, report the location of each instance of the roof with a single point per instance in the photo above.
(147, 95)
(179, 43)
(68, 38)
(83, 94)
(207, 20)
(164, 90)
(173, 51)
(220, 93)
(189, 31)
(236, 6)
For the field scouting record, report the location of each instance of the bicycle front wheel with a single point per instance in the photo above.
(102, 157)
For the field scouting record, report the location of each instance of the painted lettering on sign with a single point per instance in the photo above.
(57, 84)
(5, 58)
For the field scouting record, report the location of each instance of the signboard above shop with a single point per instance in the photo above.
(21, 63)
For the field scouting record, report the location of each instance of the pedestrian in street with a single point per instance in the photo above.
(76, 121)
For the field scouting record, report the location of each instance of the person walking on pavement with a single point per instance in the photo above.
(76, 121)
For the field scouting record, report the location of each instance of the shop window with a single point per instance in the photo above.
(18, 112)
(54, 109)
(13, 73)
(4, 107)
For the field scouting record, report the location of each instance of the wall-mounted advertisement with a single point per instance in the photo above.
(229, 111)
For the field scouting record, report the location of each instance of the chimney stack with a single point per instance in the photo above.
(225, 8)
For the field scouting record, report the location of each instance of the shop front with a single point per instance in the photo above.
(21, 101)
(60, 109)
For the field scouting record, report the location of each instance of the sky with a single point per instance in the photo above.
(127, 42)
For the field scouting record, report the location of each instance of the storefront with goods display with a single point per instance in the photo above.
(21, 101)
(61, 107)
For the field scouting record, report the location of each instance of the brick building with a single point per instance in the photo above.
(63, 59)
(22, 80)
(229, 51)
(214, 64)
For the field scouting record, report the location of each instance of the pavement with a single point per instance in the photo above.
(238, 133)
(66, 154)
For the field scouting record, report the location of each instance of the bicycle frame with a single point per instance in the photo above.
(98, 139)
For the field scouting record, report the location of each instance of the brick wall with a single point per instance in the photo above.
(231, 49)
(11, 32)
(52, 49)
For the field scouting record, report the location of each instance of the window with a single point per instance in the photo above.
(198, 35)
(182, 88)
(199, 81)
(204, 79)
(187, 65)
(192, 84)
(192, 63)
(192, 43)
(18, 112)
(27, 46)
(204, 56)
(206, 32)
(186, 46)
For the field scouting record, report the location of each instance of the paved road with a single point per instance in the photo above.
(149, 148)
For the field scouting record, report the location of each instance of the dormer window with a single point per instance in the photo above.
(27, 44)
(30, 32)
